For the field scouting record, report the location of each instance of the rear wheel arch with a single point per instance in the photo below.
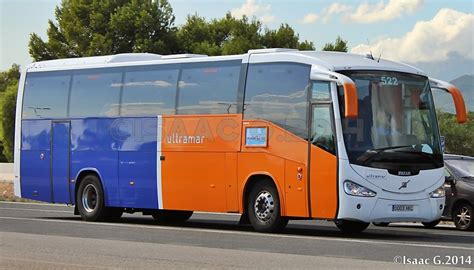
(85, 172)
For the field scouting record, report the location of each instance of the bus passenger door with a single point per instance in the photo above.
(60, 147)
(322, 161)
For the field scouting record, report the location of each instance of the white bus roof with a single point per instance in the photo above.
(332, 61)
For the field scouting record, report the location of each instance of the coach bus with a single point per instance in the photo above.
(273, 134)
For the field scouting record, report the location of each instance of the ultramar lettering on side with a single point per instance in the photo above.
(175, 138)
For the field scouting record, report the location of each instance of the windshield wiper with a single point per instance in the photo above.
(369, 155)
(372, 153)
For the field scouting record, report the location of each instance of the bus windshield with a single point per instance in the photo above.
(396, 128)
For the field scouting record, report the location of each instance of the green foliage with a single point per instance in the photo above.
(339, 45)
(8, 84)
(459, 137)
(8, 110)
(93, 27)
(229, 35)
(9, 77)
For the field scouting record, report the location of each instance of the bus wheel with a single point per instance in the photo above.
(90, 199)
(263, 207)
(351, 226)
(462, 217)
(431, 225)
(171, 215)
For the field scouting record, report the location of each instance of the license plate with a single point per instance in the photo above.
(402, 208)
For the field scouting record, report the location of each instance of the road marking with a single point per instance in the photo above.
(36, 210)
(67, 206)
(56, 263)
(35, 203)
(233, 214)
(158, 227)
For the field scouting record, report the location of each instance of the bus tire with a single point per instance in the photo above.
(263, 208)
(90, 199)
(171, 215)
(351, 226)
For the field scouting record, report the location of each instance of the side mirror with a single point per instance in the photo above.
(351, 101)
(459, 104)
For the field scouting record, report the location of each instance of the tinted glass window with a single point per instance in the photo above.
(322, 134)
(396, 122)
(95, 93)
(46, 95)
(149, 90)
(209, 88)
(278, 93)
(320, 91)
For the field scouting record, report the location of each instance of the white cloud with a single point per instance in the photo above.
(371, 12)
(268, 18)
(250, 8)
(309, 18)
(448, 34)
(378, 12)
(334, 8)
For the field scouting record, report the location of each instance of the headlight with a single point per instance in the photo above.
(438, 193)
(354, 189)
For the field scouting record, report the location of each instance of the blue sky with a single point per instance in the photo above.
(436, 36)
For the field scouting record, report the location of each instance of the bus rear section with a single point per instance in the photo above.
(272, 135)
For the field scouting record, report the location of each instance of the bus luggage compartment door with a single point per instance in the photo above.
(60, 144)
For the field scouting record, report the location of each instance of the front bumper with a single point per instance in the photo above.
(380, 210)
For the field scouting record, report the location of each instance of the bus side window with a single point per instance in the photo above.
(95, 93)
(320, 91)
(46, 95)
(277, 92)
(208, 88)
(149, 90)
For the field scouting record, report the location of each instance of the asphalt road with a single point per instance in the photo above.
(42, 236)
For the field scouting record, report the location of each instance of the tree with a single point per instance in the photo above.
(8, 84)
(8, 111)
(87, 28)
(285, 37)
(339, 45)
(9, 77)
(229, 35)
(459, 138)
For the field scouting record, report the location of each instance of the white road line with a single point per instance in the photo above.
(319, 238)
(35, 261)
(35, 203)
(36, 210)
(65, 205)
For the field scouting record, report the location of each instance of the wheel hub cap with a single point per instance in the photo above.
(464, 216)
(89, 198)
(264, 206)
